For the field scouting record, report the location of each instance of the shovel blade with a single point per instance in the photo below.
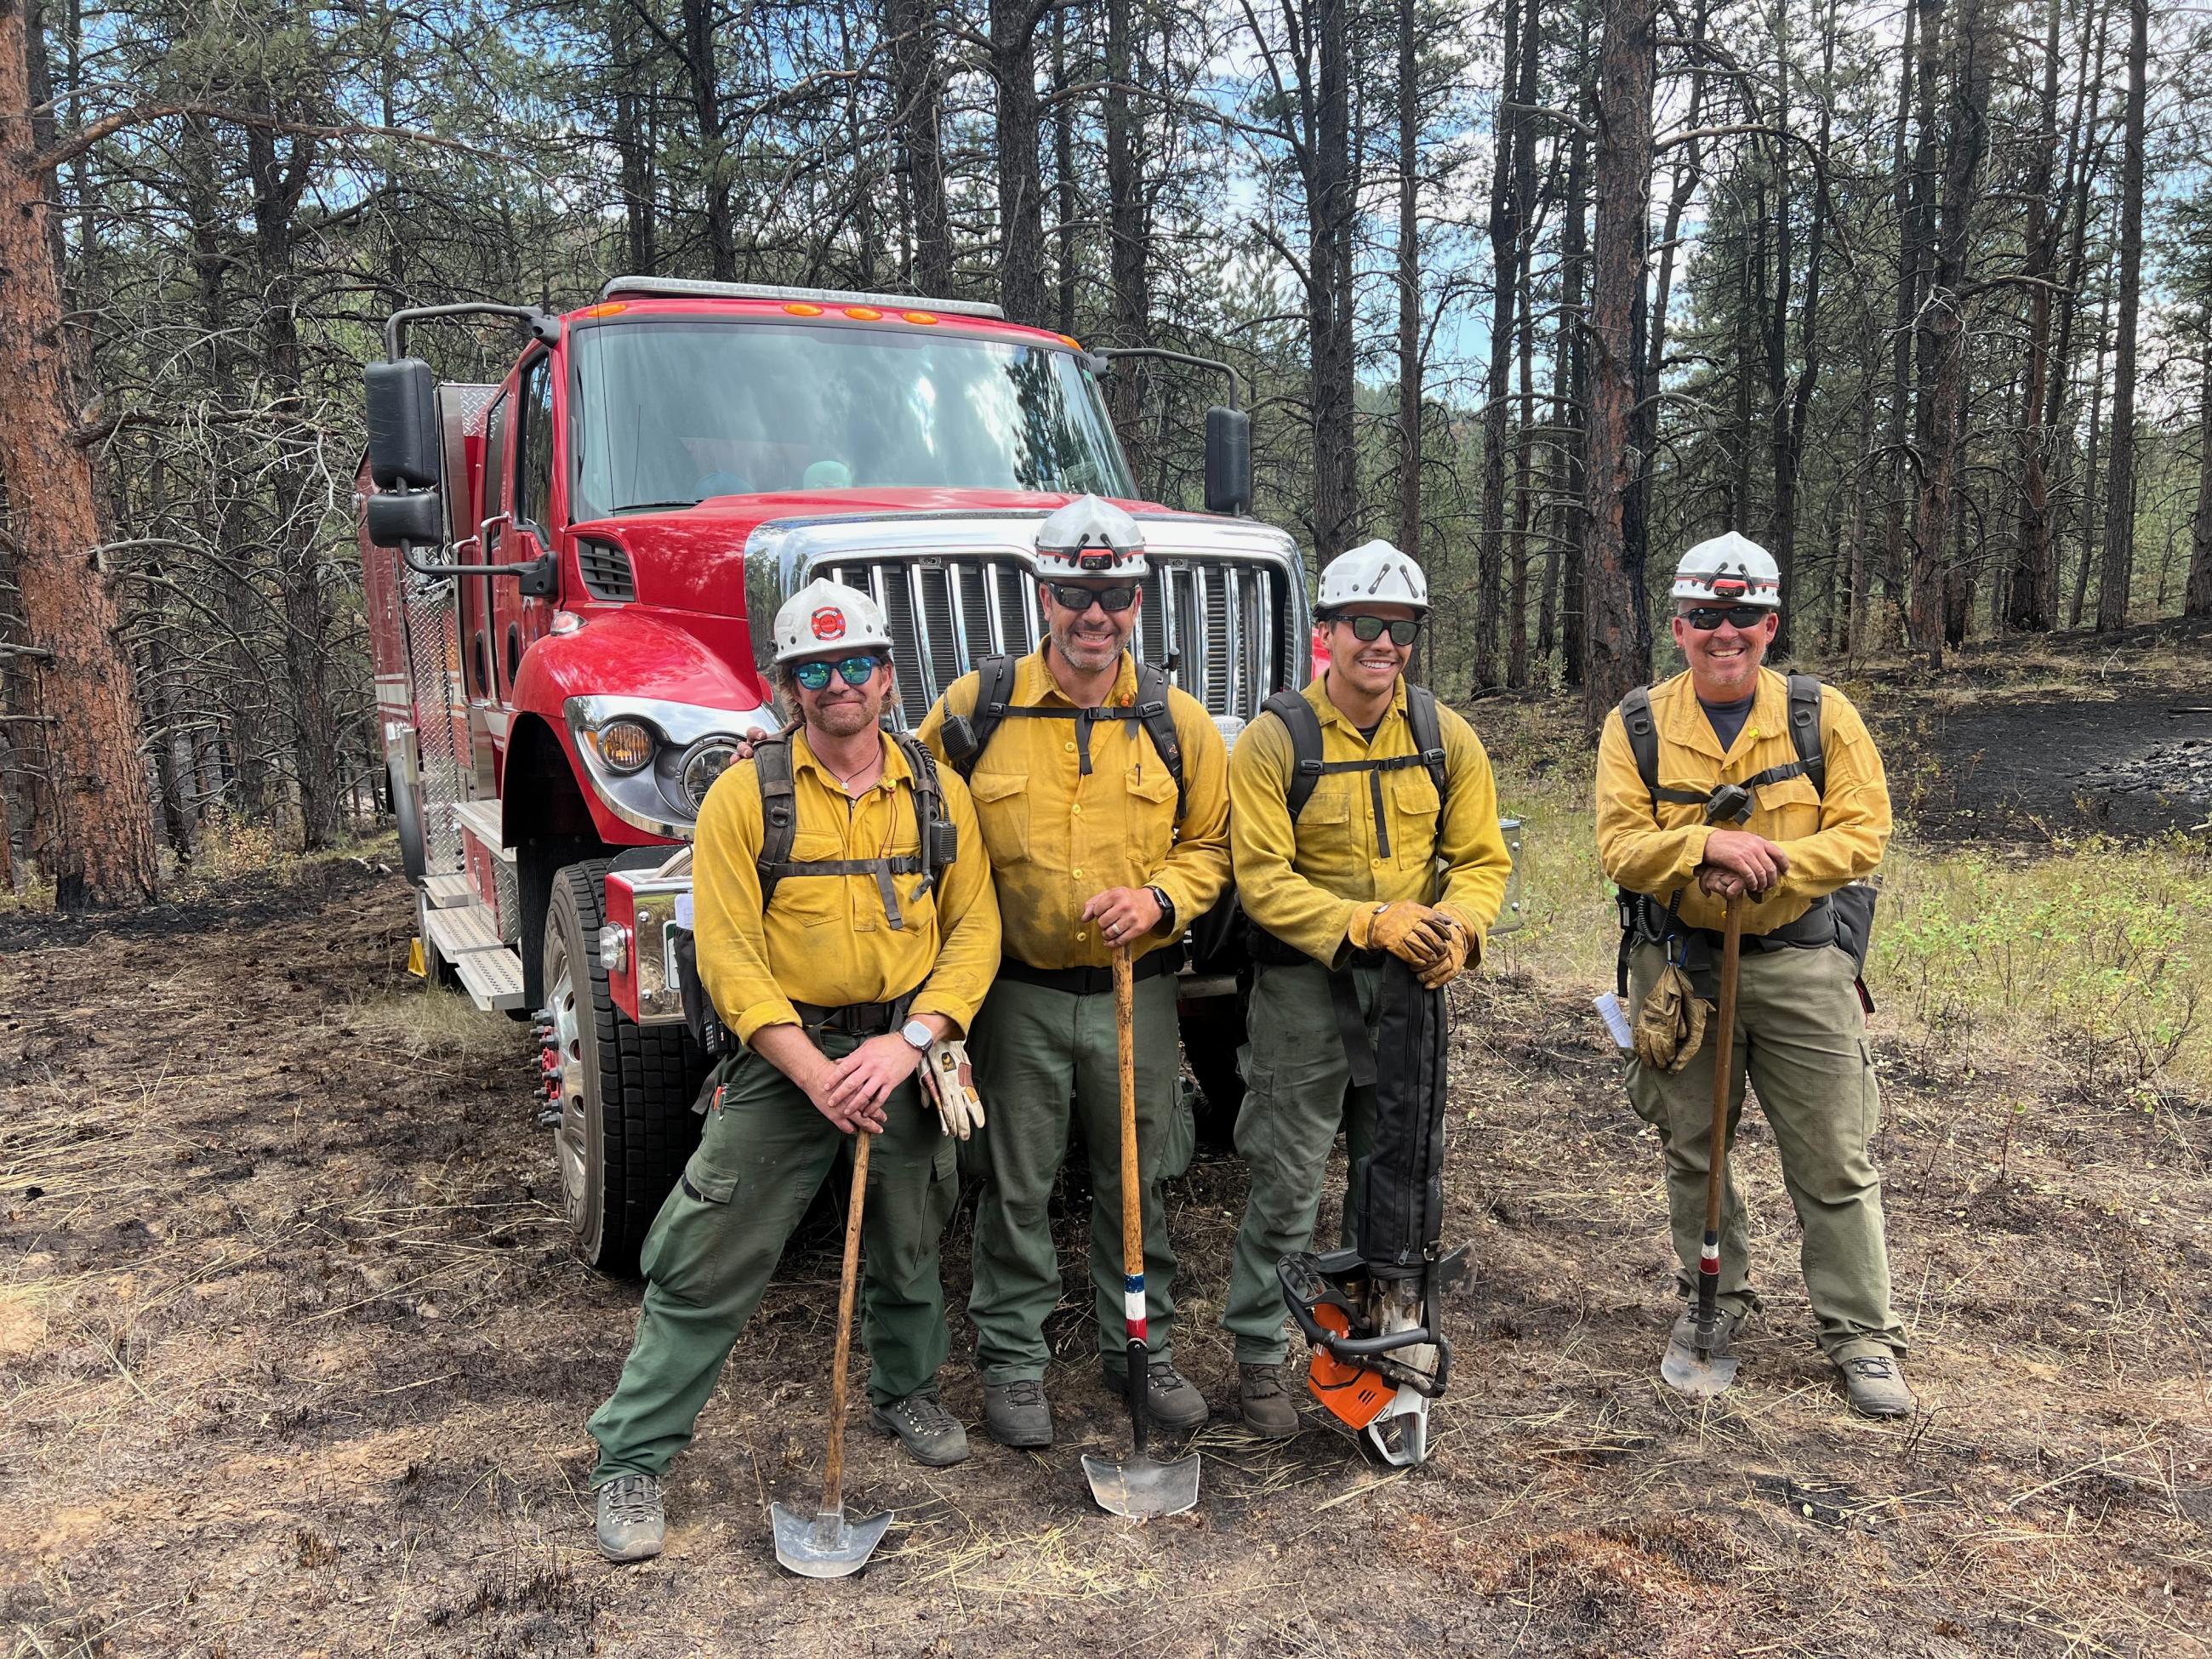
(826, 1545)
(1141, 1487)
(1700, 1379)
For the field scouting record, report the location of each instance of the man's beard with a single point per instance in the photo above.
(1087, 652)
(843, 720)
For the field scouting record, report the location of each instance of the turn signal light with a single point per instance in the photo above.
(864, 313)
(918, 316)
(801, 308)
(626, 745)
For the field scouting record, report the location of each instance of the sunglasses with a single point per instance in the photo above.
(1372, 628)
(853, 671)
(1112, 600)
(1706, 617)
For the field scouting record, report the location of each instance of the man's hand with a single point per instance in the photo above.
(1457, 942)
(1756, 862)
(1412, 932)
(1124, 915)
(864, 1079)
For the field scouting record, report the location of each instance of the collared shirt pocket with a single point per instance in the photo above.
(1002, 806)
(812, 900)
(1152, 814)
(1414, 803)
(1792, 806)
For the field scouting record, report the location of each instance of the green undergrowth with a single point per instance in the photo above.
(2092, 953)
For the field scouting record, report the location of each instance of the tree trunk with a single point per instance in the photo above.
(1516, 557)
(633, 147)
(2033, 589)
(2196, 598)
(1409, 288)
(102, 851)
(1913, 198)
(918, 116)
(1617, 641)
(1063, 175)
(1574, 327)
(1021, 180)
(705, 78)
(1332, 212)
(1508, 211)
(2118, 571)
(2091, 479)
(1793, 402)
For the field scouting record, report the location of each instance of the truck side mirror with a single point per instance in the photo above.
(1228, 460)
(403, 426)
(417, 517)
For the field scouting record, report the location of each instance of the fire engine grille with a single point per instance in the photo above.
(606, 572)
(1220, 628)
(434, 654)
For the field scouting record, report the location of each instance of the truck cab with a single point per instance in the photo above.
(571, 577)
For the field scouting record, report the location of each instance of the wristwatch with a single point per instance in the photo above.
(917, 1034)
(1167, 909)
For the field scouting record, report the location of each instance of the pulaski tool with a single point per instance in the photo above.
(1140, 1486)
(828, 1545)
(1698, 1371)
(1370, 1310)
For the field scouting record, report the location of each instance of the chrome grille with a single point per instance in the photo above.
(606, 572)
(1221, 625)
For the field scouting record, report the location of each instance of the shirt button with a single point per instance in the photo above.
(1075, 872)
(1077, 809)
(1069, 747)
(1080, 938)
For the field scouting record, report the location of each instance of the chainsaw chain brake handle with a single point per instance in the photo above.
(1339, 1281)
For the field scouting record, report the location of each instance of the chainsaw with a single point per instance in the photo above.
(1369, 1311)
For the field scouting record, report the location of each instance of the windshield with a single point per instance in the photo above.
(674, 412)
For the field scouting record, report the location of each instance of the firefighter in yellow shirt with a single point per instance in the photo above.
(1337, 868)
(1818, 824)
(1104, 801)
(837, 953)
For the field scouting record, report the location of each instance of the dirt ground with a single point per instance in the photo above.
(293, 1362)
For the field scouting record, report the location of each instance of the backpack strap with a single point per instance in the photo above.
(994, 684)
(1636, 719)
(1804, 737)
(778, 809)
(1299, 720)
(1429, 740)
(1159, 725)
(780, 829)
(937, 837)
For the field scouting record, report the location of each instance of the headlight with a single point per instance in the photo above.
(707, 761)
(626, 745)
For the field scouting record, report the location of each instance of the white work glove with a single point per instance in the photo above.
(952, 1083)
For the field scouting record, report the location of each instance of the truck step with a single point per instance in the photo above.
(464, 930)
(493, 979)
(481, 818)
(447, 892)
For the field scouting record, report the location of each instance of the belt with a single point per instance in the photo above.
(1089, 981)
(1816, 927)
(856, 1018)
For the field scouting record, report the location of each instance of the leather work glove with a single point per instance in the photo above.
(1463, 945)
(951, 1081)
(1411, 932)
(1670, 1026)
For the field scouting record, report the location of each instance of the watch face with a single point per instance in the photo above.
(915, 1033)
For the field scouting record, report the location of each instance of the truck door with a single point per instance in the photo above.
(528, 532)
(477, 655)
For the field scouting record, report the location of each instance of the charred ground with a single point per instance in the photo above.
(294, 1362)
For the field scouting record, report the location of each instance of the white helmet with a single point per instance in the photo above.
(1091, 538)
(825, 618)
(1731, 569)
(1377, 573)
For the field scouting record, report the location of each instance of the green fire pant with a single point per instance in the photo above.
(762, 1154)
(1040, 1056)
(1297, 1092)
(1801, 1039)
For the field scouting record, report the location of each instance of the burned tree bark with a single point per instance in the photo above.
(101, 854)
(2196, 598)
(918, 117)
(1021, 181)
(1617, 634)
(2119, 569)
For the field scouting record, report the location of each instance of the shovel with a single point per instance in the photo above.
(1701, 1375)
(1141, 1486)
(828, 1545)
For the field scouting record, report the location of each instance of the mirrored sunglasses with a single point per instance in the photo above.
(1112, 600)
(853, 671)
(1706, 617)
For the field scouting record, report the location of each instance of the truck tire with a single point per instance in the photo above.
(624, 1091)
(407, 816)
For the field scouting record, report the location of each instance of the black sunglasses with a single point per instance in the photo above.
(853, 671)
(1371, 628)
(1112, 600)
(1706, 617)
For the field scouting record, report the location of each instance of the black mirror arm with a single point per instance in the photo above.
(528, 573)
(543, 327)
(1105, 355)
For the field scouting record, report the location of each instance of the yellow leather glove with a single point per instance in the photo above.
(1463, 946)
(1411, 932)
(1670, 1026)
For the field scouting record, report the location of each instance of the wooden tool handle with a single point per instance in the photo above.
(1124, 1043)
(833, 1465)
(1724, 1057)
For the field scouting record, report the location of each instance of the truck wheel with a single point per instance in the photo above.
(624, 1091)
(407, 816)
(1212, 1032)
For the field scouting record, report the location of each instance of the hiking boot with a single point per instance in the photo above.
(1727, 1321)
(930, 1433)
(1876, 1383)
(1269, 1410)
(630, 1523)
(1017, 1413)
(1169, 1399)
